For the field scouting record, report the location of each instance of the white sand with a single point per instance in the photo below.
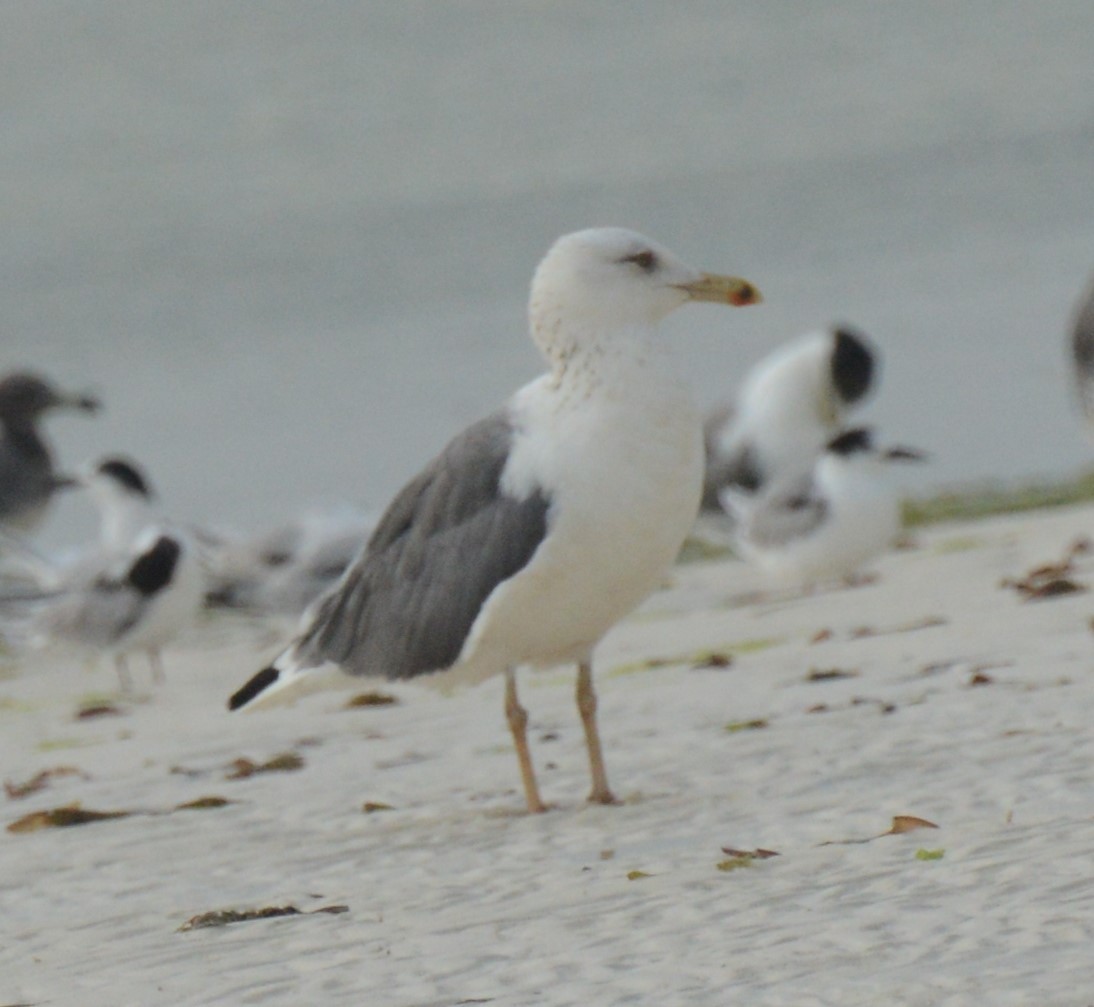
(456, 896)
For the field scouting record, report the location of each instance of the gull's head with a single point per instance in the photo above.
(24, 396)
(607, 279)
(812, 381)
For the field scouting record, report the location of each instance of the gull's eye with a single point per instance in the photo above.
(645, 260)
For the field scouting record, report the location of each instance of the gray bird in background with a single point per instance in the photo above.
(1082, 352)
(27, 475)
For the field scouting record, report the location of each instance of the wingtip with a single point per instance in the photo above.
(254, 686)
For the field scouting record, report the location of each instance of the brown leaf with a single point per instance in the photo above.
(979, 678)
(371, 806)
(746, 725)
(39, 781)
(821, 635)
(757, 854)
(62, 818)
(714, 661)
(223, 917)
(901, 824)
(370, 699)
(829, 674)
(202, 803)
(284, 763)
(95, 710)
(908, 823)
(1047, 586)
(1050, 580)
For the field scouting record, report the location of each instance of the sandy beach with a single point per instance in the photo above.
(799, 725)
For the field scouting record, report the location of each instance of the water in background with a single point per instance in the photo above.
(289, 244)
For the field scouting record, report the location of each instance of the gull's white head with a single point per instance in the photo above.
(811, 381)
(604, 280)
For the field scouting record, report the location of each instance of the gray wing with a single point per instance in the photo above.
(99, 615)
(786, 513)
(448, 539)
(1082, 350)
(101, 604)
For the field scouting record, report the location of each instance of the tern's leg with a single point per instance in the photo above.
(123, 672)
(586, 705)
(155, 659)
(518, 724)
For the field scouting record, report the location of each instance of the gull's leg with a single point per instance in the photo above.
(123, 672)
(155, 660)
(518, 724)
(586, 705)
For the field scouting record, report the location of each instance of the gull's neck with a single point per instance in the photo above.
(121, 518)
(22, 433)
(609, 363)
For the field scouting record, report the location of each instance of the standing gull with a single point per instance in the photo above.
(541, 526)
(790, 404)
(282, 571)
(135, 591)
(27, 477)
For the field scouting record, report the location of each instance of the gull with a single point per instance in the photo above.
(541, 526)
(282, 571)
(27, 476)
(1082, 352)
(134, 592)
(790, 404)
(827, 523)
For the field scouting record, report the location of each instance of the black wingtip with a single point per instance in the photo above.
(259, 683)
(858, 439)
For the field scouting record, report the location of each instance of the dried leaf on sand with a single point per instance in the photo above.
(908, 823)
(203, 804)
(92, 711)
(63, 818)
(286, 762)
(40, 781)
(223, 917)
(830, 674)
(900, 825)
(73, 814)
(746, 725)
(1051, 580)
(757, 854)
(370, 699)
(742, 858)
(369, 807)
